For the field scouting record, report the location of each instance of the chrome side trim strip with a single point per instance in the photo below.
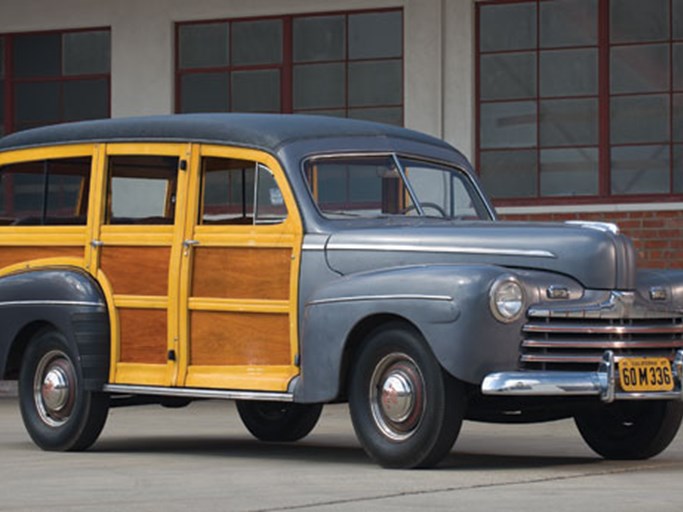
(362, 298)
(50, 303)
(601, 383)
(198, 393)
(440, 249)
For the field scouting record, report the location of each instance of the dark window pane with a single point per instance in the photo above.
(37, 103)
(376, 35)
(228, 188)
(508, 76)
(319, 86)
(86, 99)
(387, 115)
(37, 55)
(678, 117)
(642, 68)
(569, 172)
(67, 193)
(678, 66)
(270, 204)
(2, 57)
(2, 102)
(375, 83)
(256, 42)
(640, 170)
(569, 72)
(86, 53)
(203, 46)
(319, 38)
(508, 125)
(256, 91)
(509, 173)
(323, 112)
(636, 20)
(569, 23)
(569, 122)
(639, 119)
(507, 27)
(678, 168)
(677, 17)
(204, 92)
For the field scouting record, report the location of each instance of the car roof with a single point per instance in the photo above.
(262, 131)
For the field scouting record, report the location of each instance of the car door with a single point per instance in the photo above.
(136, 250)
(239, 279)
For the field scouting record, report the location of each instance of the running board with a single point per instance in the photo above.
(198, 393)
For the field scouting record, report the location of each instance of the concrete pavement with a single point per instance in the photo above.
(201, 458)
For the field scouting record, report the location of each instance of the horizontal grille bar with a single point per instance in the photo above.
(602, 344)
(569, 328)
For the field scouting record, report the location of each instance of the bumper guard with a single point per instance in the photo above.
(558, 383)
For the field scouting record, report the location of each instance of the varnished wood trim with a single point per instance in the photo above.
(241, 272)
(143, 336)
(239, 338)
(13, 255)
(136, 270)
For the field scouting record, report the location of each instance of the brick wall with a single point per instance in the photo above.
(657, 235)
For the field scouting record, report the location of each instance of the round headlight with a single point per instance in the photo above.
(507, 299)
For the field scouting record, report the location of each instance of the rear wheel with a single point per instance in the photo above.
(630, 430)
(58, 413)
(406, 410)
(278, 421)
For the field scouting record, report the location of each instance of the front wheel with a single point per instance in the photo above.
(630, 430)
(278, 421)
(406, 410)
(59, 414)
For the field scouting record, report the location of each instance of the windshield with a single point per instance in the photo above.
(387, 185)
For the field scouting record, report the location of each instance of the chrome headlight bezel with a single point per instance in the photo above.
(507, 299)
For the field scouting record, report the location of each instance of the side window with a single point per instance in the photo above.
(141, 189)
(45, 192)
(239, 192)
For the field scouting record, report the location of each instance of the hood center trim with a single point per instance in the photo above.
(401, 247)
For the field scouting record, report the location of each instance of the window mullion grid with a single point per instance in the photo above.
(604, 157)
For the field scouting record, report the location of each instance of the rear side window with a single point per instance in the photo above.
(142, 189)
(45, 192)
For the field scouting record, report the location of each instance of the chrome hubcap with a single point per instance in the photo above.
(397, 396)
(54, 388)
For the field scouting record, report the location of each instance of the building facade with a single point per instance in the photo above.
(570, 109)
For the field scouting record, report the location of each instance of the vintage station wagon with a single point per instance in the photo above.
(286, 262)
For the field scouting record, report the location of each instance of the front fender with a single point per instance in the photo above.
(448, 304)
(68, 299)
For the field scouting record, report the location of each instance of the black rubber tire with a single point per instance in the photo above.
(278, 421)
(630, 430)
(77, 423)
(424, 431)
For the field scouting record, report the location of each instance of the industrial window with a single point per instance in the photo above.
(344, 64)
(53, 77)
(580, 98)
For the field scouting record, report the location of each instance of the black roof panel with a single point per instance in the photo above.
(262, 131)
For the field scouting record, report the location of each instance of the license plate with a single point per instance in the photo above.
(638, 374)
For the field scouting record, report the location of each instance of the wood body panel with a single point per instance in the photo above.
(142, 335)
(221, 338)
(241, 272)
(136, 270)
(11, 255)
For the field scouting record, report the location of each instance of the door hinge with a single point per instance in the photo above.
(183, 165)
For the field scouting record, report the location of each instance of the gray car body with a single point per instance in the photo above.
(355, 275)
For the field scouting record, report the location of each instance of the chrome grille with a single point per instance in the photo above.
(567, 342)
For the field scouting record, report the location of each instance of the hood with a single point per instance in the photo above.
(593, 255)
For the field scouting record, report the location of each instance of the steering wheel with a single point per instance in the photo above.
(424, 205)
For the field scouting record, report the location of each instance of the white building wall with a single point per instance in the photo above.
(438, 85)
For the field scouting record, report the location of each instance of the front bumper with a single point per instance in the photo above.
(602, 383)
